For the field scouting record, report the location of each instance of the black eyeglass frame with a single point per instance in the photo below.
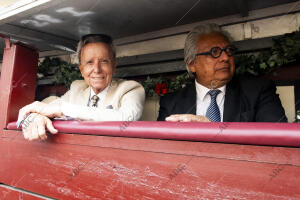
(210, 52)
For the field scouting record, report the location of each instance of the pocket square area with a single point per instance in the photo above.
(109, 107)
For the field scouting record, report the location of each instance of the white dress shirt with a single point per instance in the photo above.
(203, 99)
(101, 96)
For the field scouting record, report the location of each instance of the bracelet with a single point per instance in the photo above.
(19, 124)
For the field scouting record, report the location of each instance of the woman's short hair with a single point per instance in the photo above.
(94, 38)
(191, 41)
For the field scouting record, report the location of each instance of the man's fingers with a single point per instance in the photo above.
(26, 129)
(35, 126)
(21, 115)
(50, 126)
(187, 118)
(205, 119)
(34, 132)
(34, 107)
(24, 111)
(29, 132)
(172, 119)
(178, 118)
(41, 130)
(26, 133)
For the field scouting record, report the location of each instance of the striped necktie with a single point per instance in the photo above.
(94, 101)
(213, 112)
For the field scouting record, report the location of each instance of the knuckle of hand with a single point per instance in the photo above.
(36, 136)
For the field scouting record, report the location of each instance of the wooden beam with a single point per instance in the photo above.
(22, 9)
(242, 6)
(150, 58)
(172, 61)
(233, 19)
(148, 69)
(26, 34)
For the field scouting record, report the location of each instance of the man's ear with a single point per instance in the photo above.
(80, 68)
(192, 67)
(114, 67)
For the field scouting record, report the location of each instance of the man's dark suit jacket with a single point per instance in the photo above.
(246, 100)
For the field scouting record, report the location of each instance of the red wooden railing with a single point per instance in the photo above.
(275, 134)
(139, 160)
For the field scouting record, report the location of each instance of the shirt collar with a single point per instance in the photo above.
(101, 95)
(202, 90)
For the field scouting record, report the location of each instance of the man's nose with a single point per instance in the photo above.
(97, 67)
(224, 56)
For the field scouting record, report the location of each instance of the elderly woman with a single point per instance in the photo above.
(98, 97)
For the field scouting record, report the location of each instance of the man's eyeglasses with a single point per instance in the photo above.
(216, 52)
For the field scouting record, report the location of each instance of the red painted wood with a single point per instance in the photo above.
(8, 194)
(44, 91)
(104, 168)
(280, 155)
(286, 73)
(279, 134)
(18, 81)
(90, 166)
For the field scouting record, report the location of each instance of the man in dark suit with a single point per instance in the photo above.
(216, 95)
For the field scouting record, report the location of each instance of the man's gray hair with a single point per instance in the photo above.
(94, 38)
(191, 41)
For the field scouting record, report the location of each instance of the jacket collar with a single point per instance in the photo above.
(187, 100)
(232, 104)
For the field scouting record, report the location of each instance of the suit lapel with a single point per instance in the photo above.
(232, 104)
(81, 97)
(84, 98)
(109, 95)
(187, 101)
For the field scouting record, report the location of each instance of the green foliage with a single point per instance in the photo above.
(297, 116)
(149, 85)
(172, 85)
(64, 73)
(285, 50)
(180, 82)
(48, 64)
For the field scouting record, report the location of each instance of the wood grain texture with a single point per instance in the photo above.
(18, 81)
(8, 194)
(70, 166)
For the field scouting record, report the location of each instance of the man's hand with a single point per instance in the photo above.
(34, 127)
(187, 118)
(48, 110)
